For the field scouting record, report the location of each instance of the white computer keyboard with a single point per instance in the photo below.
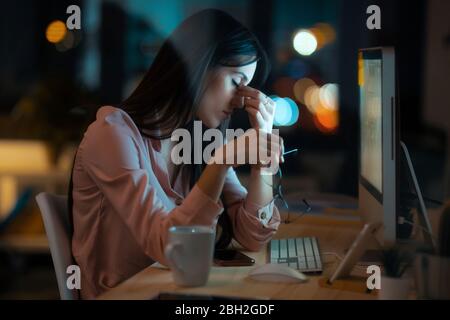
(302, 254)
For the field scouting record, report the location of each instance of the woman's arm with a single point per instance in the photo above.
(261, 112)
(212, 179)
(260, 190)
(248, 229)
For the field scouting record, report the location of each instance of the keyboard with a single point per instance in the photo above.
(301, 254)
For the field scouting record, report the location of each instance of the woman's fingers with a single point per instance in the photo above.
(251, 92)
(254, 104)
(256, 114)
(256, 147)
(254, 99)
(270, 106)
(270, 148)
(264, 103)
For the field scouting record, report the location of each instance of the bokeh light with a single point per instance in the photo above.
(305, 42)
(56, 31)
(326, 31)
(326, 120)
(328, 95)
(294, 111)
(322, 103)
(320, 37)
(300, 88)
(283, 112)
(312, 98)
(286, 112)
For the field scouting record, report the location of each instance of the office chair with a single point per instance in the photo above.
(56, 221)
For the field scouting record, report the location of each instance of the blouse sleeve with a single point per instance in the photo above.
(111, 158)
(253, 225)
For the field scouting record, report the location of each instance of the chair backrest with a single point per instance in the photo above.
(56, 221)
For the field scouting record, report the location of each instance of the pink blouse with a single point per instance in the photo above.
(123, 204)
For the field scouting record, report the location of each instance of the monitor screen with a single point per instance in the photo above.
(371, 120)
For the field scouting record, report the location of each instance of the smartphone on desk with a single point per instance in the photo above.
(232, 258)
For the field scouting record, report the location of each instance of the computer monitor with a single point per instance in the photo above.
(380, 153)
(378, 142)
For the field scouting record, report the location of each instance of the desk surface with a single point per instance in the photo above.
(334, 234)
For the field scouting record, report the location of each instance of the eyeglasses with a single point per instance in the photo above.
(278, 195)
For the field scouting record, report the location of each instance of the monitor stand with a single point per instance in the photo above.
(353, 255)
(367, 234)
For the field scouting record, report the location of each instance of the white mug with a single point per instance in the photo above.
(189, 254)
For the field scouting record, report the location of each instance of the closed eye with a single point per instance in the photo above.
(235, 83)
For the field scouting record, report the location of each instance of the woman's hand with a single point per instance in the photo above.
(254, 147)
(260, 108)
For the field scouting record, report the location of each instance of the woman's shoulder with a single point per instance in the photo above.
(112, 125)
(111, 141)
(114, 116)
(110, 118)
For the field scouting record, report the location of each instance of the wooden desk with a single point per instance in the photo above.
(335, 235)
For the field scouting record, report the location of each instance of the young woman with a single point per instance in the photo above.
(126, 190)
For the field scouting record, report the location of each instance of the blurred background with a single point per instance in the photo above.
(53, 80)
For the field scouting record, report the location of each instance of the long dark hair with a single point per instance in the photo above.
(168, 96)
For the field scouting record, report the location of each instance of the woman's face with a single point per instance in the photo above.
(219, 100)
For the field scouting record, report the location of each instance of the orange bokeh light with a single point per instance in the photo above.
(320, 37)
(56, 31)
(326, 120)
(327, 31)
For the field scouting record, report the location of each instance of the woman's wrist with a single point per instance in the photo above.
(264, 128)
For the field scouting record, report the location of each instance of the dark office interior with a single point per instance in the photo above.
(51, 90)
